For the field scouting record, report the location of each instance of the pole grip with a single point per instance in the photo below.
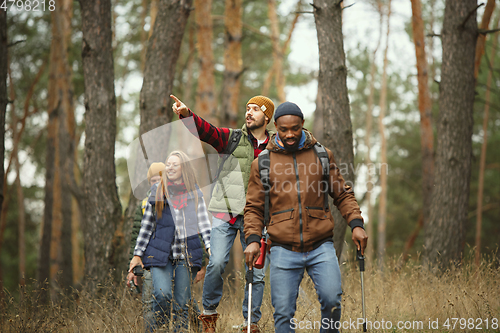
(361, 259)
(249, 276)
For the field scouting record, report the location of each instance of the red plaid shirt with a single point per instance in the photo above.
(218, 137)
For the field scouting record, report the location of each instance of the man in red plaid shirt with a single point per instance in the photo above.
(229, 198)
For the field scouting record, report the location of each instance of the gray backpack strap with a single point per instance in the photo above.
(325, 167)
(264, 167)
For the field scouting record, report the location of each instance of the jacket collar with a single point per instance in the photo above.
(309, 142)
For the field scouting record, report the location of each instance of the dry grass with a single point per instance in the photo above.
(410, 294)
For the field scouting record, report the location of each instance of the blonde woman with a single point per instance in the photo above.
(168, 242)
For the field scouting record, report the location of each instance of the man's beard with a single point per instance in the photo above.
(293, 147)
(257, 124)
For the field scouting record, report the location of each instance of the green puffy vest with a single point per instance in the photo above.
(229, 194)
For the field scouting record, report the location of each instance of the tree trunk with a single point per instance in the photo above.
(425, 108)
(21, 228)
(382, 208)
(3, 110)
(481, 39)
(482, 162)
(277, 51)
(233, 63)
(318, 117)
(3, 94)
(335, 100)
(276, 70)
(52, 191)
(188, 92)
(370, 226)
(61, 144)
(432, 62)
(205, 95)
(144, 34)
(445, 234)
(163, 48)
(102, 205)
(153, 12)
(67, 142)
(161, 58)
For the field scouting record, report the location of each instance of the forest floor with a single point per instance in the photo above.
(402, 298)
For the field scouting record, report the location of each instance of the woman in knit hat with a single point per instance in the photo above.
(168, 242)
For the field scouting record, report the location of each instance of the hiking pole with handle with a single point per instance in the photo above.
(249, 278)
(361, 259)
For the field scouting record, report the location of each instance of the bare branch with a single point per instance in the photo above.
(315, 7)
(434, 35)
(16, 42)
(469, 15)
(352, 4)
(485, 32)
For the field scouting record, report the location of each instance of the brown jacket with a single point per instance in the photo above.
(297, 220)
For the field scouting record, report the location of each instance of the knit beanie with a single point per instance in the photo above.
(288, 108)
(265, 104)
(154, 170)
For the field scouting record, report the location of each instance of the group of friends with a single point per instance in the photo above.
(173, 235)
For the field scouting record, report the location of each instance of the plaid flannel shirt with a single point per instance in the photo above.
(217, 137)
(177, 251)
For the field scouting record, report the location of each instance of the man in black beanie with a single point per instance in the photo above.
(291, 139)
(301, 223)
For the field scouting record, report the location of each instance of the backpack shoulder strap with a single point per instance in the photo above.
(264, 167)
(233, 141)
(325, 167)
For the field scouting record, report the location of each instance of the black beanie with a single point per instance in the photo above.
(288, 108)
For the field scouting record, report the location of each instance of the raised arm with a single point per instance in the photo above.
(217, 137)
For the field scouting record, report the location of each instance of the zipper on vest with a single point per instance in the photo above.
(154, 222)
(300, 204)
(186, 253)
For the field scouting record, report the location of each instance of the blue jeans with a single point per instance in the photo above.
(221, 241)
(287, 270)
(177, 276)
(147, 300)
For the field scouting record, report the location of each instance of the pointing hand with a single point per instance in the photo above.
(179, 108)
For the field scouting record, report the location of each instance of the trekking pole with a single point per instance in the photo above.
(361, 259)
(249, 278)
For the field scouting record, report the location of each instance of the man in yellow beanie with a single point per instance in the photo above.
(236, 148)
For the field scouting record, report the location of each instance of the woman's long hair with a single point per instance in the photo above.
(188, 177)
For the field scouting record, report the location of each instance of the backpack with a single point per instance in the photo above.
(265, 165)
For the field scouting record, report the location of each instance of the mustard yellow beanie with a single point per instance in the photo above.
(265, 104)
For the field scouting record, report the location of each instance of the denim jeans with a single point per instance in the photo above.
(221, 240)
(287, 270)
(147, 300)
(177, 276)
